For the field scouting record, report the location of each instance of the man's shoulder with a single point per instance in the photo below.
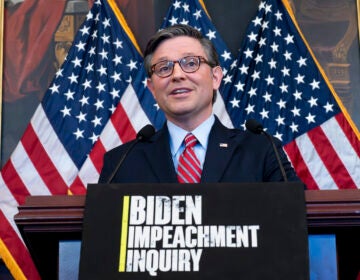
(140, 145)
(230, 131)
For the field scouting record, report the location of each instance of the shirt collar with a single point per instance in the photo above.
(177, 134)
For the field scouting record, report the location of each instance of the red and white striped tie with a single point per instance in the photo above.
(189, 169)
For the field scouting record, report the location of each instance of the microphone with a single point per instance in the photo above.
(143, 135)
(255, 127)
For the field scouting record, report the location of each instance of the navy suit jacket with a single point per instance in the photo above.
(232, 156)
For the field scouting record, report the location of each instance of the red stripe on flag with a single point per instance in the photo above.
(122, 124)
(300, 166)
(14, 182)
(349, 132)
(17, 249)
(330, 159)
(43, 163)
(77, 187)
(97, 154)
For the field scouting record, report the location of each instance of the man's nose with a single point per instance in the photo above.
(177, 71)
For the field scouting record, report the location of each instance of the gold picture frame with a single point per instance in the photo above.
(1, 64)
(358, 16)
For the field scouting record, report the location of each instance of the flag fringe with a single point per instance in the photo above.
(337, 98)
(124, 24)
(204, 7)
(10, 262)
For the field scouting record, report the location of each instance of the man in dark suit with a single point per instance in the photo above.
(184, 74)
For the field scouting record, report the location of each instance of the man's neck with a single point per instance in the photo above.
(190, 123)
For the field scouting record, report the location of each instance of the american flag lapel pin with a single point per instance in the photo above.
(223, 145)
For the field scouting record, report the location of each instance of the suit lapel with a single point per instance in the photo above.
(162, 166)
(220, 149)
(221, 146)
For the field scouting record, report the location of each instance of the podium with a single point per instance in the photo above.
(208, 231)
(44, 221)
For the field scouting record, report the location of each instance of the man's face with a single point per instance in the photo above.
(184, 97)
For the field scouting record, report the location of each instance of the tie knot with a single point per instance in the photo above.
(190, 140)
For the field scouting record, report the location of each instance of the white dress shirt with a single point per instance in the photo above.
(178, 134)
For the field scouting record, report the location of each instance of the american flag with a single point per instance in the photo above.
(278, 82)
(194, 13)
(87, 110)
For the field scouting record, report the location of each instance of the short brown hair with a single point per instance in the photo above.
(176, 31)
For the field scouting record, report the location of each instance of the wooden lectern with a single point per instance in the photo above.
(45, 220)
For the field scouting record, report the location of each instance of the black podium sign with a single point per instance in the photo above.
(200, 231)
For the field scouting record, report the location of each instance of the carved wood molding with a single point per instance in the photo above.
(333, 208)
(56, 213)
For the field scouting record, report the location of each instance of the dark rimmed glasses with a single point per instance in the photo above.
(188, 64)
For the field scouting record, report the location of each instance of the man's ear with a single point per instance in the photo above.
(217, 77)
(150, 86)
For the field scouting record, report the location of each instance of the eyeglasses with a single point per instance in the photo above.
(188, 64)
